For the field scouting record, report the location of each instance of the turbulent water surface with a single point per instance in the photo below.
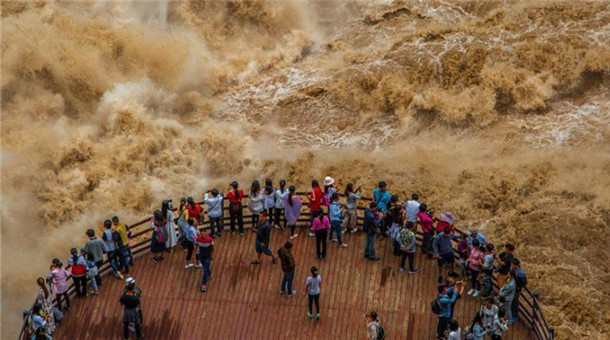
(495, 110)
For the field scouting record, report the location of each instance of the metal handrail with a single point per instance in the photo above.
(535, 318)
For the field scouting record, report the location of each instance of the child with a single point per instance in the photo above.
(499, 325)
(92, 271)
(455, 333)
(476, 331)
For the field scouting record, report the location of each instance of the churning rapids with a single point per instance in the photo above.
(498, 111)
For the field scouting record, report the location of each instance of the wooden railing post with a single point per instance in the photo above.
(551, 333)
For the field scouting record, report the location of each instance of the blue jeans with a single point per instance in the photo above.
(369, 246)
(124, 259)
(206, 271)
(112, 259)
(287, 282)
(335, 226)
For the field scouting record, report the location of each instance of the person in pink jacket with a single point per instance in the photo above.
(321, 225)
(59, 276)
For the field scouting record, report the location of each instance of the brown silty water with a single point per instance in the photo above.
(497, 111)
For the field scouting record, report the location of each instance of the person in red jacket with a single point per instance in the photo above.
(236, 212)
(195, 210)
(315, 202)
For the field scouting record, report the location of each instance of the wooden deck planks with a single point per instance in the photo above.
(243, 301)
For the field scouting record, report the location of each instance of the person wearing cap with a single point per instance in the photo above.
(315, 202)
(329, 189)
(123, 230)
(288, 267)
(373, 325)
(236, 212)
(382, 197)
(195, 210)
(108, 236)
(78, 270)
(59, 277)
(96, 248)
(263, 237)
(312, 289)
(370, 227)
(130, 284)
(350, 220)
(214, 201)
(205, 248)
(131, 314)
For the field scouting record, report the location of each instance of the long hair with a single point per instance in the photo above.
(282, 185)
(349, 188)
(74, 254)
(315, 184)
(255, 188)
(43, 285)
(164, 207)
(321, 216)
(291, 191)
(268, 186)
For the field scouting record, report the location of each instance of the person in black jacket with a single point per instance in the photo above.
(370, 227)
(131, 316)
(263, 236)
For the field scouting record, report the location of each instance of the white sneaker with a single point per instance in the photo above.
(276, 226)
(333, 240)
(353, 231)
(343, 245)
(198, 265)
(293, 293)
(312, 234)
(470, 292)
(294, 236)
(476, 293)
(190, 265)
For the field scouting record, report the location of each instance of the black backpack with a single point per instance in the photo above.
(436, 306)
(380, 333)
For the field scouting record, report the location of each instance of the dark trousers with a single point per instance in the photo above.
(207, 272)
(404, 256)
(314, 214)
(190, 247)
(496, 337)
(236, 215)
(216, 223)
(396, 249)
(80, 285)
(279, 214)
(312, 299)
(123, 255)
(292, 229)
(254, 221)
(98, 277)
(514, 307)
(441, 326)
(126, 330)
(474, 274)
(321, 236)
(385, 225)
(426, 244)
(64, 294)
(287, 282)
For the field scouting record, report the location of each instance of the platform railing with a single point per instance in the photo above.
(530, 310)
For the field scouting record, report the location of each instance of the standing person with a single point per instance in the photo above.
(263, 237)
(312, 289)
(443, 249)
(475, 263)
(486, 285)
(488, 259)
(473, 234)
(520, 283)
(288, 267)
(131, 315)
(335, 219)
(463, 253)
(182, 220)
(455, 333)
(123, 230)
(292, 210)
(445, 301)
(92, 272)
(445, 220)
(95, 248)
(269, 202)
(373, 326)
(37, 325)
(130, 285)
(504, 260)
(256, 202)
(280, 197)
(236, 212)
(488, 312)
(45, 299)
(407, 241)
(78, 269)
(168, 213)
(121, 241)
(59, 276)
(499, 325)
(205, 249)
(477, 329)
(108, 236)
(350, 220)
(195, 210)
(412, 208)
(315, 202)
(507, 295)
(215, 211)
(427, 229)
(396, 217)
(329, 190)
(321, 225)
(370, 227)
(157, 241)
(189, 242)
(382, 197)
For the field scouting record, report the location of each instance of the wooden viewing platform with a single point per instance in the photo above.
(244, 302)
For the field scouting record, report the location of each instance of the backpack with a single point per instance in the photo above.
(436, 306)
(380, 333)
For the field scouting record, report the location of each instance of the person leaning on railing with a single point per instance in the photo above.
(236, 213)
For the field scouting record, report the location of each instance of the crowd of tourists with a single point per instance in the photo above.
(333, 214)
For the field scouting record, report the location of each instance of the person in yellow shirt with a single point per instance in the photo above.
(123, 230)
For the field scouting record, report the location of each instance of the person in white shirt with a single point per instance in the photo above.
(455, 333)
(412, 208)
(280, 195)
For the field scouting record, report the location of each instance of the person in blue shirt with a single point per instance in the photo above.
(335, 219)
(370, 225)
(382, 197)
(445, 299)
(520, 283)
